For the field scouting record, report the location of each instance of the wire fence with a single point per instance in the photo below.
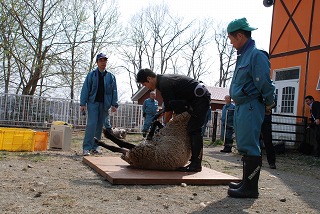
(40, 112)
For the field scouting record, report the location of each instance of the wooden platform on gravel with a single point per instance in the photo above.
(117, 171)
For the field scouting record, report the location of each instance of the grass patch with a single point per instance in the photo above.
(33, 157)
(208, 142)
(3, 155)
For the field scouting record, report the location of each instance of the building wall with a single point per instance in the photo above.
(147, 95)
(295, 41)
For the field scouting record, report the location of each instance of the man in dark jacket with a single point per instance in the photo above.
(315, 119)
(181, 93)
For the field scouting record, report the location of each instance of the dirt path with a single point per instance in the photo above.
(58, 182)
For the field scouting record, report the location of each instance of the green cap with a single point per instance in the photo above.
(239, 24)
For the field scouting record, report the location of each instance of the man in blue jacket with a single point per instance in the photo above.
(227, 124)
(149, 109)
(252, 91)
(98, 95)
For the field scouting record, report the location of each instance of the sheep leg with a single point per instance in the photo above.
(154, 125)
(111, 148)
(119, 142)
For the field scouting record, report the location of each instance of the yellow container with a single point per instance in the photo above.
(41, 141)
(16, 139)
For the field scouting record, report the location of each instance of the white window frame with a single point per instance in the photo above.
(318, 85)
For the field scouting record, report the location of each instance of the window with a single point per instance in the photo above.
(287, 102)
(287, 74)
(318, 85)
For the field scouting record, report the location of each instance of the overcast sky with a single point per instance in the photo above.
(222, 11)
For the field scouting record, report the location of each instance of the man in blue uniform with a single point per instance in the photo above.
(149, 109)
(181, 93)
(98, 95)
(208, 118)
(252, 91)
(227, 124)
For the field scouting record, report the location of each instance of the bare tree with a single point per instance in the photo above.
(165, 35)
(132, 50)
(8, 37)
(104, 30)
(226, 56)
(37, 29)
(155, 39)
(195, 51)
(74, 21)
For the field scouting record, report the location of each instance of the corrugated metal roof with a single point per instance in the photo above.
(139, 93)
(218, 93)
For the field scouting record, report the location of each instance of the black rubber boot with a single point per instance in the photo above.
(271, 156)
(234, 185)
(249, 187)
(226, 149)
(196, 158)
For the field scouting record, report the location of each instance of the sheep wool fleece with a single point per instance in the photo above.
(169, 149)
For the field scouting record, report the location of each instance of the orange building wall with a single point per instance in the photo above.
(288, 38)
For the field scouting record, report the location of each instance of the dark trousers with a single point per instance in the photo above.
(266, 135)
(317, 130)
(198, 115)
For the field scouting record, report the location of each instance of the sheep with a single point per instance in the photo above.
(169, 149)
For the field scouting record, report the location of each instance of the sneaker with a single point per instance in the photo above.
(86, 153)
(96, 151)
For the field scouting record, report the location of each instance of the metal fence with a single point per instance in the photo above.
(39, 112)
(288, 129)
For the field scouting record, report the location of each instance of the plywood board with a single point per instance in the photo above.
(117, 171)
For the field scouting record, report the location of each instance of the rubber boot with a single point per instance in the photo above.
(234, 185)
(249, 187)
(196, 157)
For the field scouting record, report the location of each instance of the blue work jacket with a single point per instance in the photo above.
(251, 77)
(150, 106)
(90, 88)
(227, 109)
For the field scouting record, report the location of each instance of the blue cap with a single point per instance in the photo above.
(101, 56)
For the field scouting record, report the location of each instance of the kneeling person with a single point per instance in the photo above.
(181, 93)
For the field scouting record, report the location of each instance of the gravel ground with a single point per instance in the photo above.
(58, 182)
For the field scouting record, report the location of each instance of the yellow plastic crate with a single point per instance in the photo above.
(16, 139)
(41, 141)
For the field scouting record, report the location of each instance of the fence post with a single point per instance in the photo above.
(214, 131)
